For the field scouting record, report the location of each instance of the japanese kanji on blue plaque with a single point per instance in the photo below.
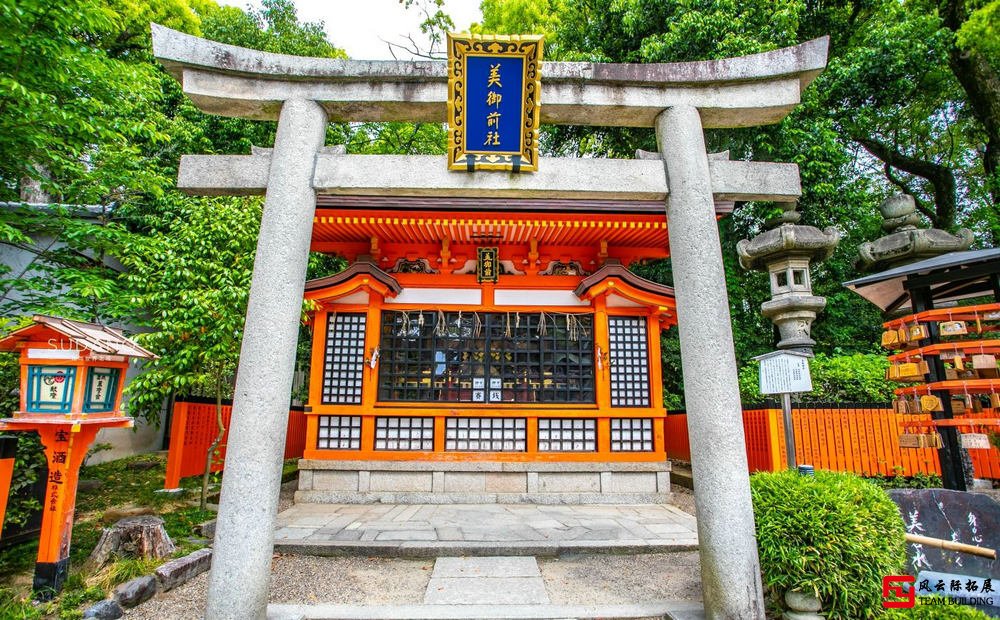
(493, 102)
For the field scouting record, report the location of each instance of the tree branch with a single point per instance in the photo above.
(940, 177)
(922, 206)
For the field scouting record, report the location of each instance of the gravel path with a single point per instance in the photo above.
(622, 579)
(579, 579)
(308, 579)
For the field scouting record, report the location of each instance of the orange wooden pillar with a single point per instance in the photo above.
(8, 449)
(175, 455)
(66, 442)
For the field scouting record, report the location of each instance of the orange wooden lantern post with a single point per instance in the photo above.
(72, 375)
(8, 449)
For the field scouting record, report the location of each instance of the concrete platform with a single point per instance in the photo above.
(436, 530)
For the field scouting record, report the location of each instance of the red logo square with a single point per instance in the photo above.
(895, 595)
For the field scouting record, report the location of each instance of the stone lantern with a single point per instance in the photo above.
(903, 242)
(785, 251)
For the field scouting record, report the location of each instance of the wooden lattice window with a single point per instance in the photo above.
(344, 359)
(404, 433)
(486, 434)
(567, 435)
(339, 432)
(500, 357)
(629, 352)
(632, 435)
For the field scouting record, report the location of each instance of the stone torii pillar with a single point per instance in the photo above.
(244, 533)
(678, 99)
(730, 568)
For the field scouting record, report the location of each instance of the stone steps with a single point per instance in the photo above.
(681, 475)
(432, 530)
(673, 610)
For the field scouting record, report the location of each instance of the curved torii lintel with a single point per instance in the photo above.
(746, 91)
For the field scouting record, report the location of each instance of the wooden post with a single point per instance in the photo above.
(8, 450)
(65, 448)
(175, 455)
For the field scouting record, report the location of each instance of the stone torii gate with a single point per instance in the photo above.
(679, 100)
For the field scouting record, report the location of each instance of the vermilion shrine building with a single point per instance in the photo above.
(415, 359)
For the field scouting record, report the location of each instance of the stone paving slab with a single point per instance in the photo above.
(490, 566)
(673, 610)
(434, 530)
(486, 591)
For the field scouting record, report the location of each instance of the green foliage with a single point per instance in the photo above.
(120, 570)
(190, 285)
(28, 465)
(899, 481)
(435, 24)
(982, 33)
(831, 534)
(934, 608)
(523, 17)
(67, 274)
(858, 378)
(61, 93)
(16, 607)
(76, 594)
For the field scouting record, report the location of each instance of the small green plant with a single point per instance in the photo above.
(15, 607)
(835, 535)
(899, 481)
(933, 608)
(76, 595)
(95, 449)
(121, 570)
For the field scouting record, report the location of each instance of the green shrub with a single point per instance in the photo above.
(858, 378)
(899, 481)
(832, 534)
(927, 611)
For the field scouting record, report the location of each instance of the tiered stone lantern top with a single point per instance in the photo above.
(786, 238)
(905, 243)
(785, 251)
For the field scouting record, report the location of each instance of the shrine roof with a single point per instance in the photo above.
(361, 268)
(91, 336)
(491, 225)
(614, 269)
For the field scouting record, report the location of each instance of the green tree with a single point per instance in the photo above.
(840, 189)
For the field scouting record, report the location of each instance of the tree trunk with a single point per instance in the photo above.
(215, 444)
(134, 537)
(981, 83)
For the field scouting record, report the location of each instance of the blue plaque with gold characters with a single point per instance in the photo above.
(494, 83)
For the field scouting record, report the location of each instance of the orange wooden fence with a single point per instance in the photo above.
(194, 428)
(864, 440)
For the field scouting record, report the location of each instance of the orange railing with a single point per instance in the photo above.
(864, 440)
(194, 428)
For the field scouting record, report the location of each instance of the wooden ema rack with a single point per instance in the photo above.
(981, 320)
